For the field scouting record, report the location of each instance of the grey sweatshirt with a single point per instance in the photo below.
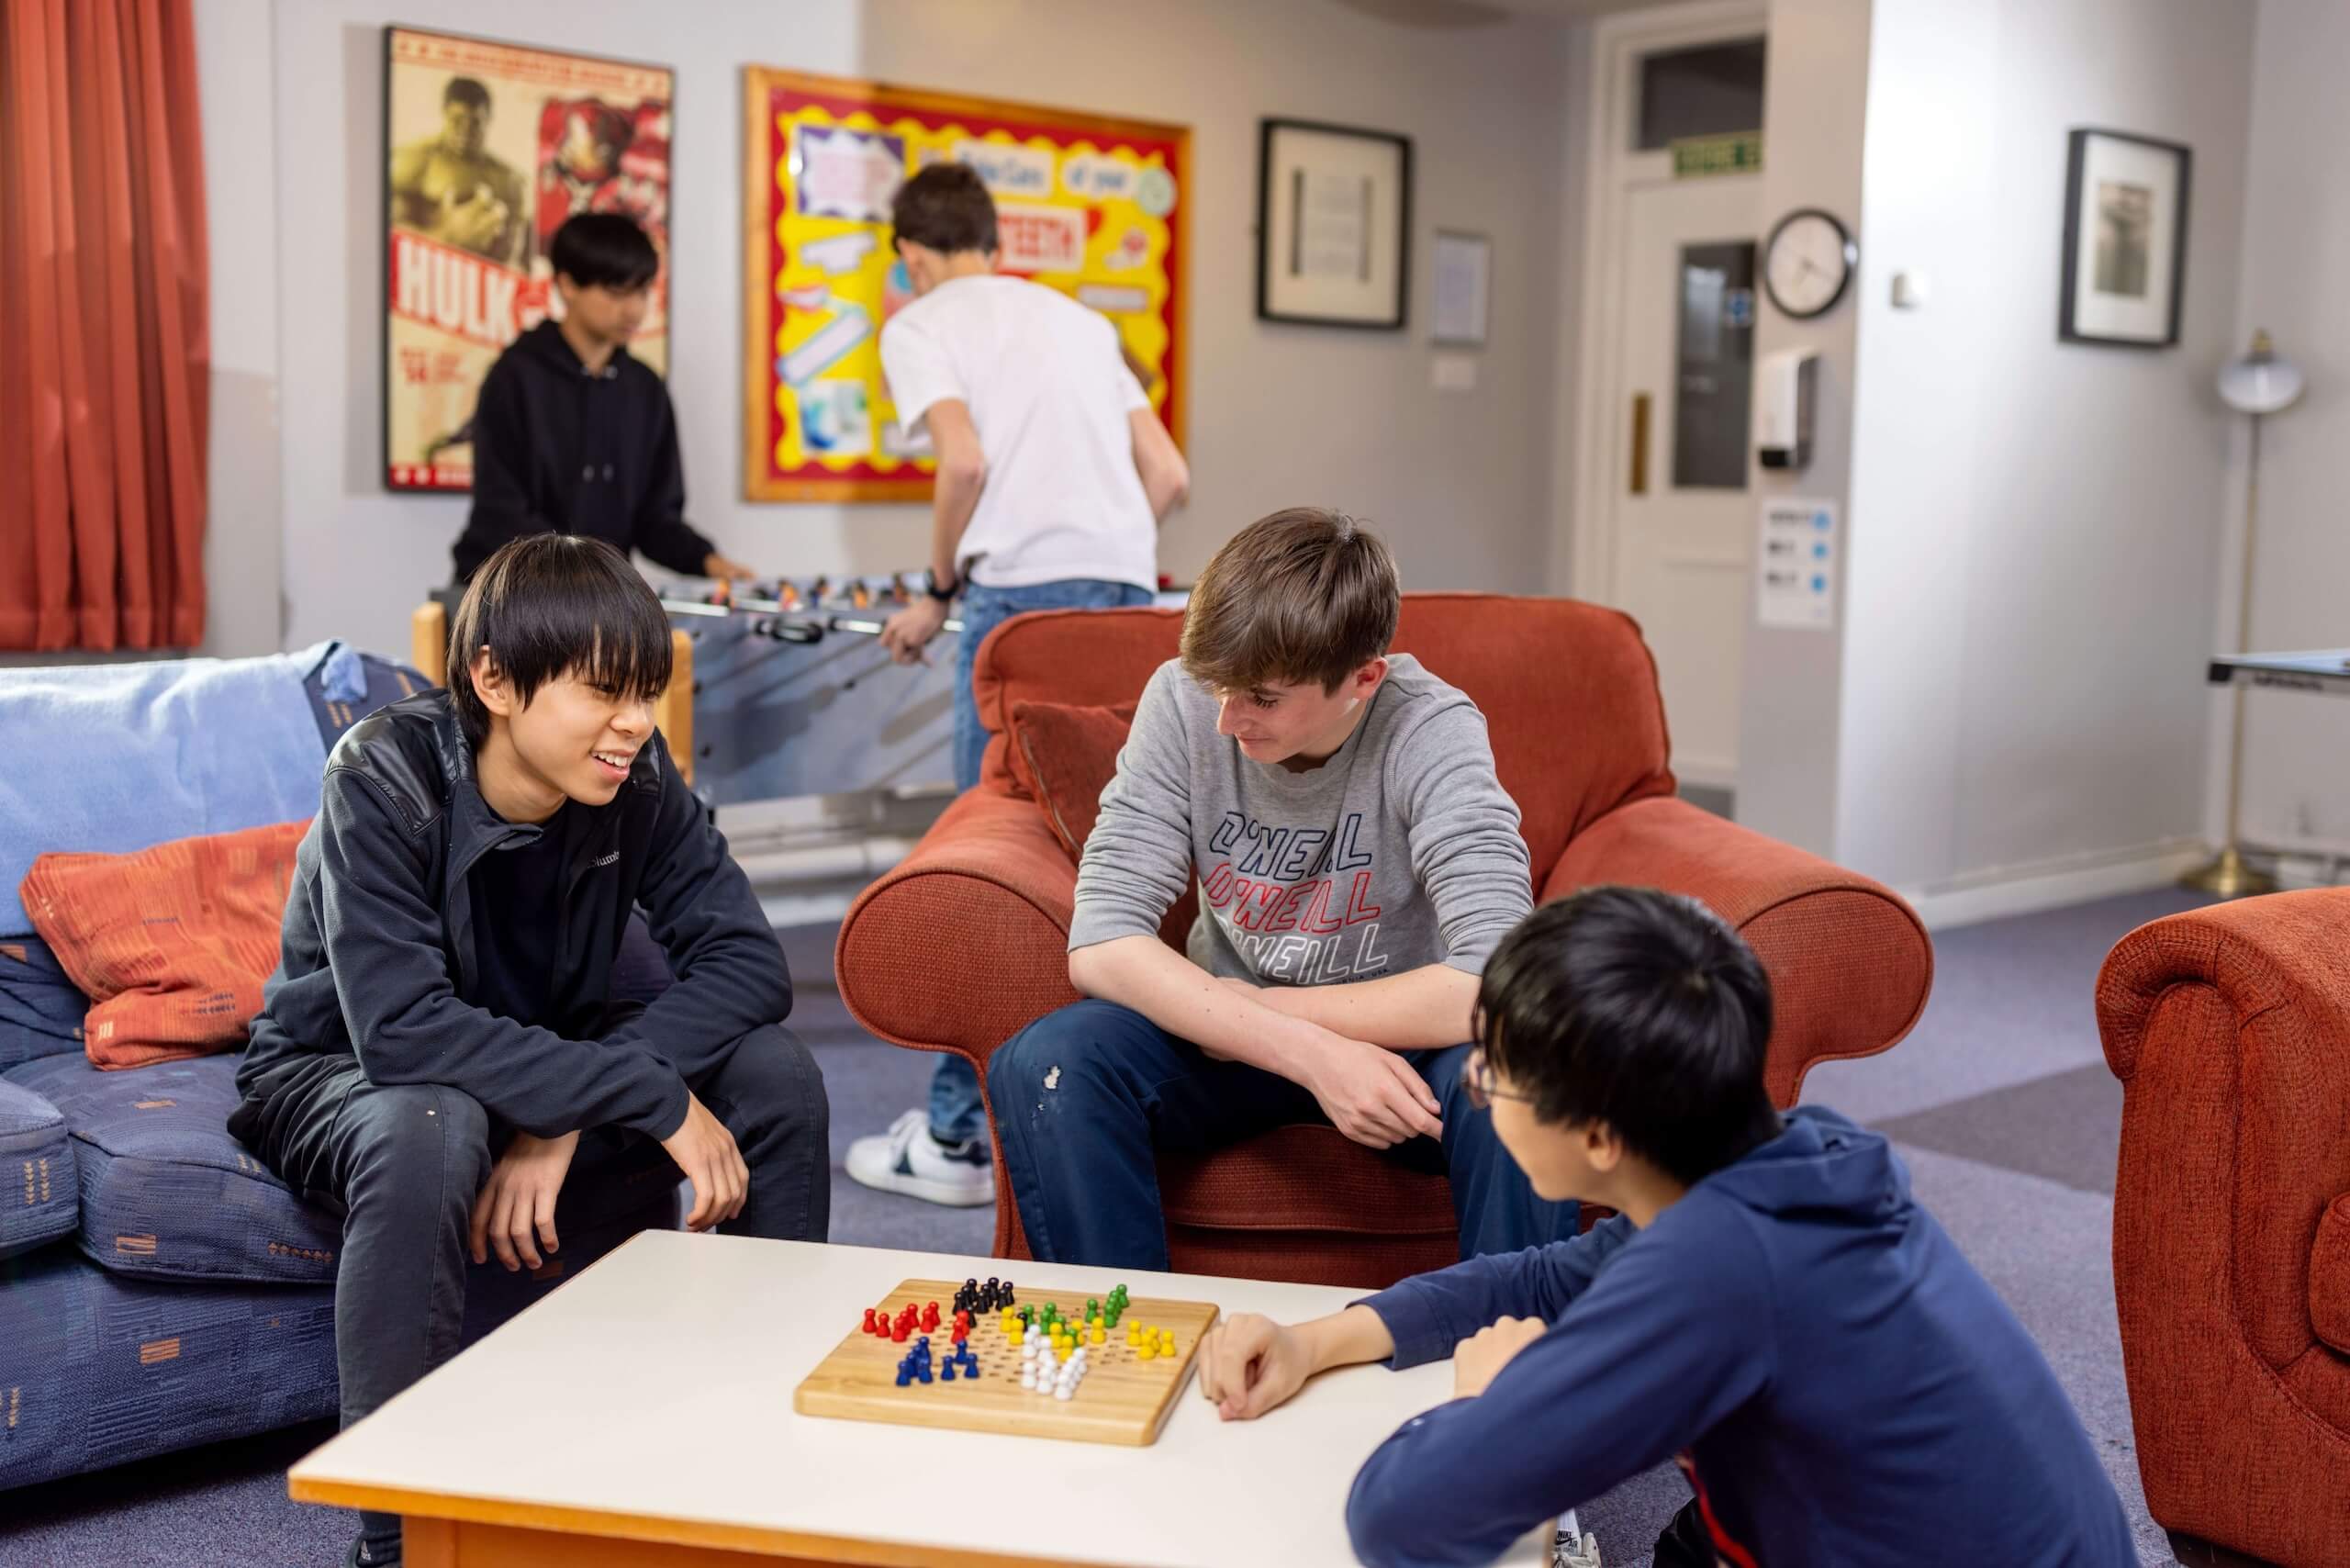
(1401, 851)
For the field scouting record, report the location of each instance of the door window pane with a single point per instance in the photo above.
(1700, 92)
(1714, 380)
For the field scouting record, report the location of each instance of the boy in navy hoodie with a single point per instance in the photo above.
(1769, 1305)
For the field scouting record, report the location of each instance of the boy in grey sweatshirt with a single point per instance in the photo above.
(1357, 860)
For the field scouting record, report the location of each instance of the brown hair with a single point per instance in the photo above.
(1303, 595)
(946, 207)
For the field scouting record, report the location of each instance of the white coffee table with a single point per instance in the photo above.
(642, 1415)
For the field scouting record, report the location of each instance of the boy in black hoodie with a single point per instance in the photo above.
(574, 434)
(438, 1034)
(1769, 1307)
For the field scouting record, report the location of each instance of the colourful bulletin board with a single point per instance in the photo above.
(1093, 206)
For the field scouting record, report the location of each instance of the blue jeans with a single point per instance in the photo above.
(1087, 1098)
(955, 1113)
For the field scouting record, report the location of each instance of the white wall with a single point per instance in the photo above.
(1577, 159)
(1789, 722)
(2296, 259)
(1277, 414)
(2034, 524)
(243, 527)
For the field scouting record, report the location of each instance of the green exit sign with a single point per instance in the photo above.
(1738, 152)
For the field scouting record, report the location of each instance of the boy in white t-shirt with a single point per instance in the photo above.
(1053, 478)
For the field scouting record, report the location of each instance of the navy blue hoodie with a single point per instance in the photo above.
(1839, 1382)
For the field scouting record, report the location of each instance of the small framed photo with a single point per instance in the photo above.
(1334, 208)
(2125, 240)
(1463, 265)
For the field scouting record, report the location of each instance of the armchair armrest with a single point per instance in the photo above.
(966, 943)
(2230, 1029)
(1849, 962)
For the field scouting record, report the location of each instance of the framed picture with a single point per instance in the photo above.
(1463, 265)
(1334, 208)
(488, 148)
(1093, 205)
(2125, 240)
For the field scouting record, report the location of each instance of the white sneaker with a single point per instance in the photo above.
(907, 1160)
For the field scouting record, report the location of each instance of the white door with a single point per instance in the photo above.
(1680, 523)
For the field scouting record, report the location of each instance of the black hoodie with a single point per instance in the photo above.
(559, 448)
(379, 958)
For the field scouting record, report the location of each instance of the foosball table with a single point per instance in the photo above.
(783, 688)
(794, 695)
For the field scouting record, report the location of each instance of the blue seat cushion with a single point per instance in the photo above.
(41, 1007)
(38, 1201)
(96, 1368)
(166, 1194)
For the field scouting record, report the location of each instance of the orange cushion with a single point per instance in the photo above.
(172, 944)
(1066, 758)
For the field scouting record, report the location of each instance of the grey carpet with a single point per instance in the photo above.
(2066, 1127)
(1998, 1102)
(2013, 1001)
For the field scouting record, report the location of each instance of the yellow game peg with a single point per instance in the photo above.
(1145, 1352)
(1061, 1350)
(1098, 1336)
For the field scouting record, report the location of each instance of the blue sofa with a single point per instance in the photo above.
(159, 1286)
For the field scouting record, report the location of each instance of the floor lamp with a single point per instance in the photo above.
(2262, 382)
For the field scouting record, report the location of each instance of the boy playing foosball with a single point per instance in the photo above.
(1769, 1305)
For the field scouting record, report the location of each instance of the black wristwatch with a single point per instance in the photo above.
(944, 595)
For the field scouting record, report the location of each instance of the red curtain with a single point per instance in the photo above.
(104, 326)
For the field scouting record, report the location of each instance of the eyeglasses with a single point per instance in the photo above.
(1477, 1075)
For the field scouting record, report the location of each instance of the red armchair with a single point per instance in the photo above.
(2230, 1030)
(965, 943)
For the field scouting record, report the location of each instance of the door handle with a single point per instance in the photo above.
(1639, 443)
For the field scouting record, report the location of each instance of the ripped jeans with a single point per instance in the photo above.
(1087, 1098)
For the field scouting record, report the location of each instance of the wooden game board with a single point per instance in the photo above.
(1122, 1400)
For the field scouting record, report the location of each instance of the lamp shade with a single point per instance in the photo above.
(2261, 382)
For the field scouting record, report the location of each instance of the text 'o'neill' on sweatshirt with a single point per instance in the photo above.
(1401, 851)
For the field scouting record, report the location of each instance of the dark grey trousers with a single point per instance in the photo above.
(404, 1165)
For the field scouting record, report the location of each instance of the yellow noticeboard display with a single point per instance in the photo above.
(1091, 206)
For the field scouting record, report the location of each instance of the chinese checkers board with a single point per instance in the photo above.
(1132, 1360)
(1091, 206)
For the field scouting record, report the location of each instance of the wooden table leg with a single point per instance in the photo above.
(429, 1543)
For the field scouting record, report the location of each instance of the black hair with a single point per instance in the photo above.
(466, 90)
(946, 207)
(1641, 1010)
(548, 605)
(609, 250)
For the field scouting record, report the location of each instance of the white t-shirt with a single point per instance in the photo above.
(1049, 394)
